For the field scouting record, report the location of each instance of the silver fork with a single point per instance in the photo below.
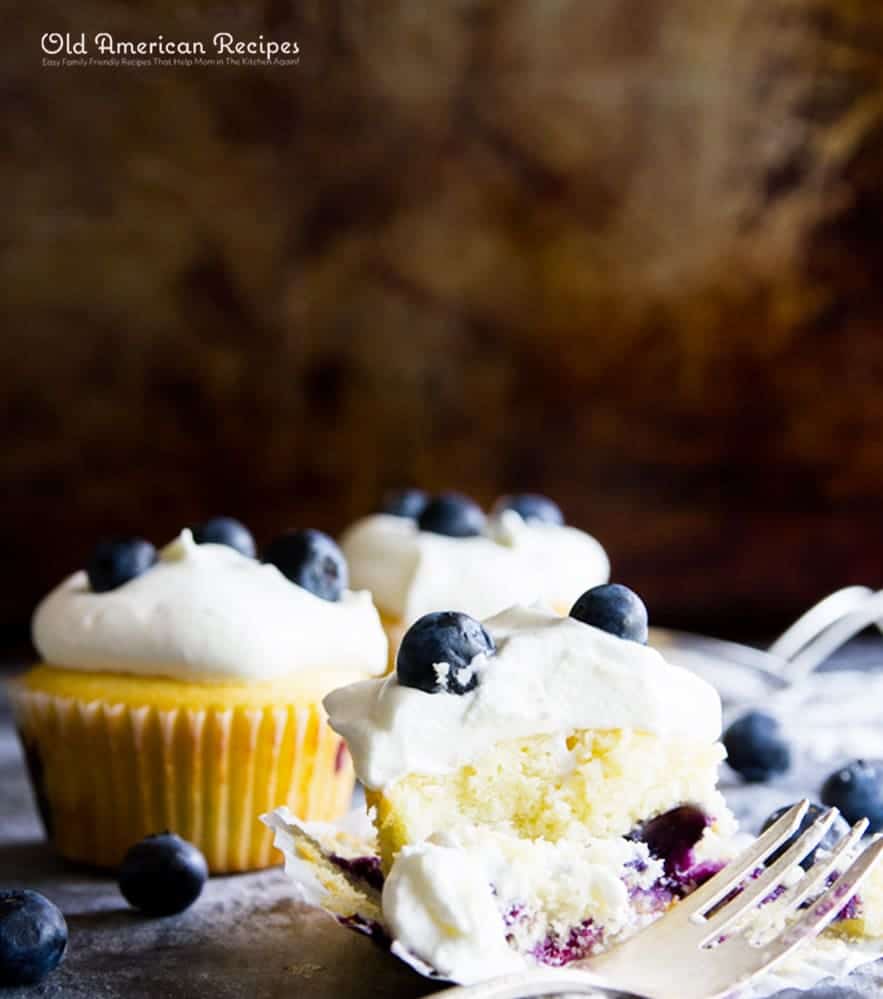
(809, 642)
(700, 949)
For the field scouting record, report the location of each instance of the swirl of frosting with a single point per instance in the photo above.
(549, 674)
(206, 613)
(411, 572)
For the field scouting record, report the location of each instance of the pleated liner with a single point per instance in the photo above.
(106, 775)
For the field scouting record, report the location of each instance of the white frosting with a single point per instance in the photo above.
(207, 613)
(445, 898)
(549, 674)
(411, 572)
(437, 902)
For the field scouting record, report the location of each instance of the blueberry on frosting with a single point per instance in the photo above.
(452, 514)
(437, 653)
(312, 560)
(531, 506)
(226, 531)
(613, 608)
(857, 790)
(756, 748)
(117, 560)
(408, 503)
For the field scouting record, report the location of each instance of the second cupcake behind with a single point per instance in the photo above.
(422, 554)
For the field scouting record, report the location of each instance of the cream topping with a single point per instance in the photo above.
(445, 898)
(207, 613)
(438, 905)
(549, 674)
(411, 572)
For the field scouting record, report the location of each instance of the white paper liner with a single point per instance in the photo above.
(828, 957)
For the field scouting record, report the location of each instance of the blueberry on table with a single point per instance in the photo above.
(162, 875)
(857, 790)
(437, 652)
(226, 531)
(33, 937)
(614, 608)
(837, 830)
(408, 503)
(117, 560)
(531, 506)
(756, 748)
(312, 560)
(452, 514)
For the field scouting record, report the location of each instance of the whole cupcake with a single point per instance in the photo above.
(182, 690)
(427, 553)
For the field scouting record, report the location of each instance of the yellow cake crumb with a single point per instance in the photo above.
(594, 783)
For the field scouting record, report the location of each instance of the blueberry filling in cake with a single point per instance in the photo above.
(525, 928)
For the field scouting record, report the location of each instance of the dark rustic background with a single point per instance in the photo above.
(628, 252)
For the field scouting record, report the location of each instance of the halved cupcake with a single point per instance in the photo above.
(541, 789)
(183, 691)
(424, 554)
(542, 786)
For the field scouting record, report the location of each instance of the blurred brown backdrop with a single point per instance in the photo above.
(628, 252)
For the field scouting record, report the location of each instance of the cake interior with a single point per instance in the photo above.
(590, 784)
(574, 840)
(545, 851)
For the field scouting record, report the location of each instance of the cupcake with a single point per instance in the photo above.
(543, 786)
(182, 691)
(541, 789)
(424, 554)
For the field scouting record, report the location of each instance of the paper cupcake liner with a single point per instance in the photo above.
(106, 775)
(336, 868)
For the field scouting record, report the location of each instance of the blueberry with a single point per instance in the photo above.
(312, 560)
(531, 506)
(117, 560)
(162, 875)
(452, 514)
(614, 608)
(857, 790)
(438, 640)
(226, 531)
(672, 835)
(838, 829)
(756, 748)
(33, 937)
(404, 503)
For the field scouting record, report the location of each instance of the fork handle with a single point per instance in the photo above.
(819, 618)
(542, 982)
(829, 640)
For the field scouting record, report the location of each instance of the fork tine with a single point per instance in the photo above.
(821, 870)
(826, 908)
(736, 871)
(755, 892)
